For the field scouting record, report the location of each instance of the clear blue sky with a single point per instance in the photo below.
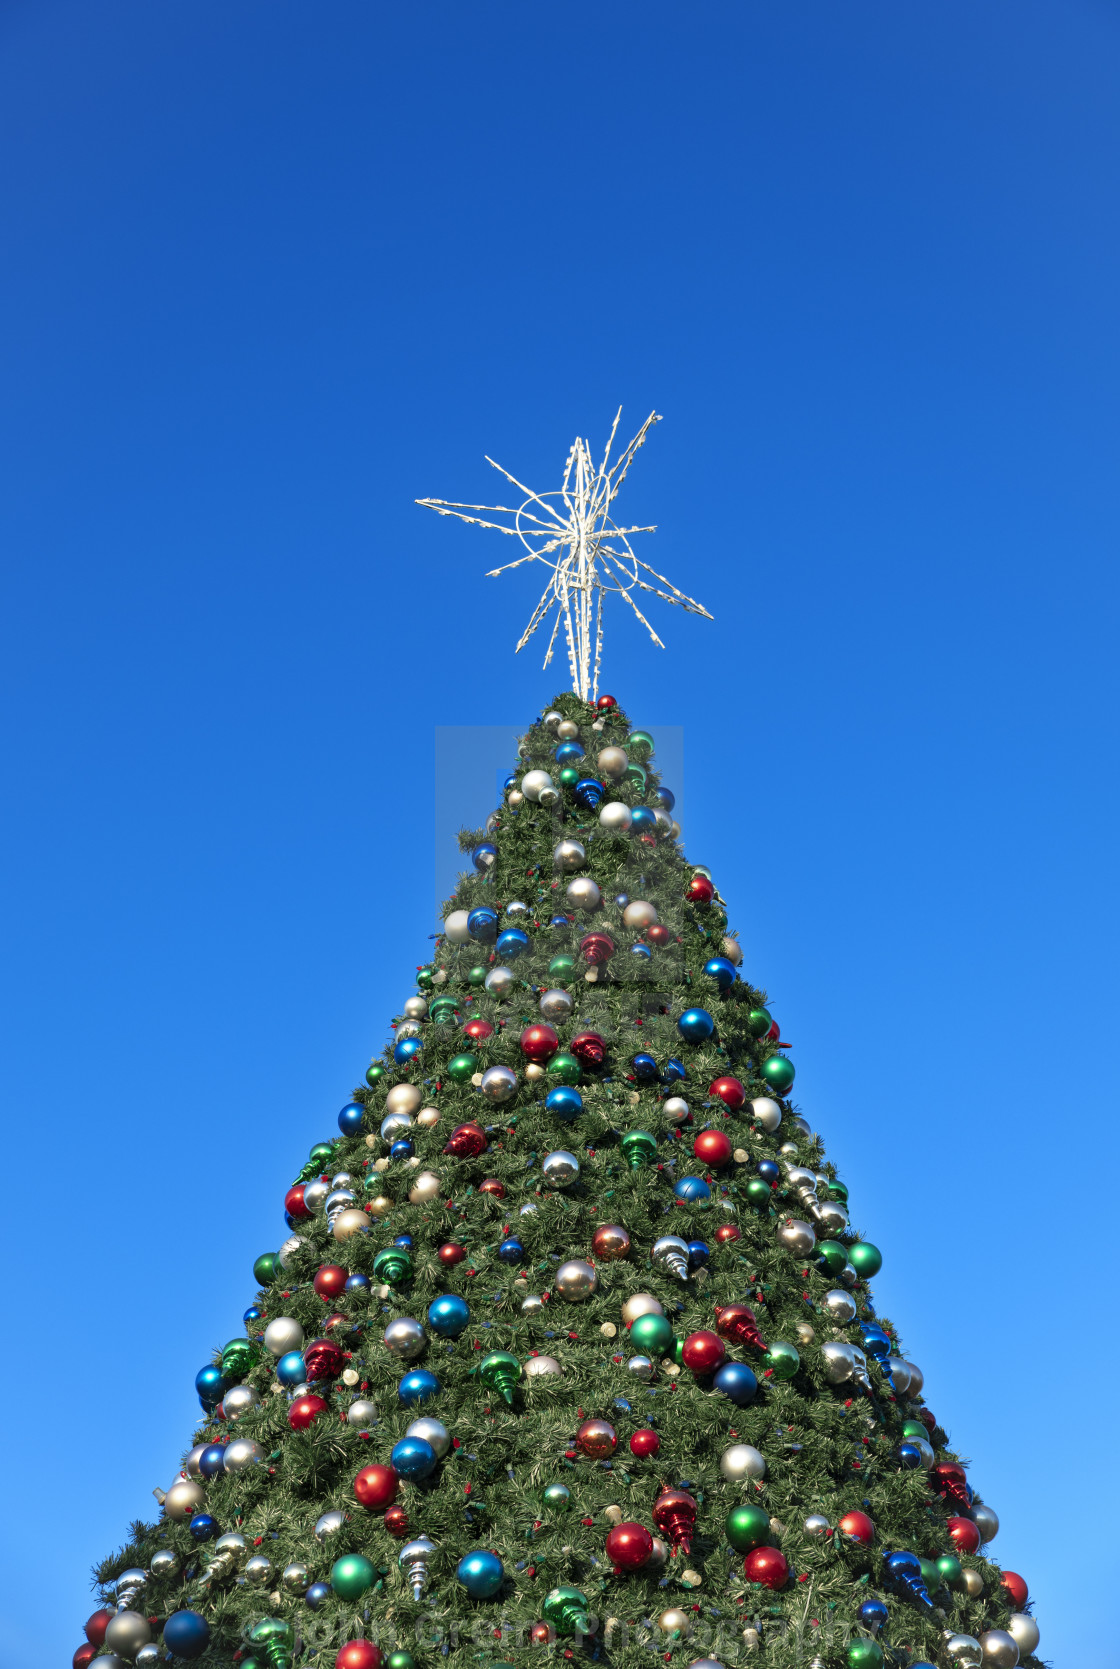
(272, 270)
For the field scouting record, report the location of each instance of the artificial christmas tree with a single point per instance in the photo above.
(571, 1348)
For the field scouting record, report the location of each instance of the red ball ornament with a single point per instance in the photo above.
(963, 1534)
(96, 1625)
(596, 1438)
(774, 1033)
(1015, 1588)
(610, 1242)
(293, 1202)
(539, 1042)
(950, 1482)
(644, 1442)
(730, 1091)
(703, 1352)
(674, 1513)
(596, 947)
(358, 1654)
(736, 1321)
(589, 1049)
(728, 1231)
(628, 1547)
(323, 1359)
(466, 1141)
(479, 1030)
(658, 934)
(700, 890)
(542, 1634)
(712, 1147)
(493, 1186)
(330, 1280)
(336, 1322)
(376, 1487)
(84, 1654)
(858, 1528)
(606, 703)
(450, 1253)
(396, 1522)
(767, 1565)
(304, 1410)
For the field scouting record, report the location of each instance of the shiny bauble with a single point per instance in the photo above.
(413, 1458)
(857, 1527)
(675, 1623)
(865, 1259)
(670, 1252)
(328, 1524)
(499, 982)
(204, 1527)
(596, 1438)
(746, 1527)
(448, 1315)
(241, 1455)
(832, 1258)
(766, 1114)
(555, 1005)
(644, 1442)
(699, 890)
(210, 1385)
(644, 1068)
(675, 1109)
(864, 1654)
(728, 1232)
(376, 1487)
(467, 1141)
(481, 1573)
(361, 1413)
(258, 1571)
(404, 1338)
(186, 1634)
(558, 1497)
(741, 1463)
(493, 1186)
(641, 1303)
(266, 1269)
(703, 1352)
(796, 1236)
(126, 1633)
(639, 914)
(350, 1222)
(315, 1194)
(612, 762)
(583, 894)
(817, 1525)
(575, 1280)
(782, 1359)
(652, 1334)
(986, 1519)
(329, 1282)
(1014, 1587)
(165, 1564)
(352, 1575)
(450, 1253)
(696, 1025)
(674, 1513)
(418, 1387)
(736, 1381)
(511, 1250)
(615, 817)
(963, 1534)
(499, 1084)
(425, 1188)
(396, 1522)
(568, 855)
(350, 1118)
(1024, 1631)
(323, 1359)
(963, 1651)
(542, 1367)
(539, 1042)
(511, 944)
(610, 1242)
(730, 1091)
(358, 1654)
(628, 1546)
(766, 1565)
(392, 1265)
(455, 927)
(478, 1031)
(565, 1068)
(839, 1306)
(183, 1498)
(317, 1595)
(658, 934)
(559, 1169)
(209, 1463)
(639, 1148)
(832, 1217)
(712, 1147)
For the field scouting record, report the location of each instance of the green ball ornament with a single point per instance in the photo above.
(560, 967)
(401, 1660)
(238, 1358)
(351, 1575)
(950, 1570)
(747, 1527)
(425, 979)
(759, 1193)
(931, 1576)
(831, 1256)
(678, 1352)
(865, 1654)
(782, 1360)
(462, 1068)
(865, 1259)
(558, 1497)
(652, 1335)
(569, 776)
(779, 1074)
(564, 1069)
(915, 1428)
(759, 1022)
(266, 1269)
(639, 745)
(838, 1190)
(476, 976)
(374, 1071)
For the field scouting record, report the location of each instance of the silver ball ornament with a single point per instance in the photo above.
(840, 1306)
(130, 1582)
(516, 908)
(433, 1432)
(556, 1005)
(499, 981)
(183, 1498)
(552, 719)
(241, 1454)
(641, 1367)
(542, 1367)
(641, 1303)
(583, 894)
(534, 784)
(165, 1564)
(455, 927)
(258, 1571)
(338, 1199)
(239, 1399)
(917, 1380)
(742, 1461)
(659, 1557)
(107, 1660)
(426, 1187)
(832, 1217)
(615, 817)
(999, 1648)
(328, 1524)
(963, 1651)
(1024, 1631)
(796, 1236)
(296, 1578)
(839, 1361)
(514, 799)
(766, 1113)
(361, 1413)
(416, 1008)
(817, 1525)
(499, 1083)
(315, 1194)
(127, 1632)
(559, 1169)
(670, 1252)
(289, 1249)
(404, 1338)
(613, 762)
(973, 1582)
(788, 1150)
(349, 1222)
(148, 1656)
(406, 1028)
(568, 855)
(394, 1125)
(639, 915)
(190, 1465)
(403, 1098)
(568, 730)
(575, 1280)
(986, 1520)
(233, 1545)
(532, 1305)
(675, 1109)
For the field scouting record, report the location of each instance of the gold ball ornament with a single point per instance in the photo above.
(675, 1623)
(425, 1188)
(973, 1583)
(183, 1498)
(576, 1280)
(427, 1117)
(349, 1223)
(641, 1303)
(403, 1098)
(805, 1334)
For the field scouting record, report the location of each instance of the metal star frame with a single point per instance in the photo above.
(572, 532)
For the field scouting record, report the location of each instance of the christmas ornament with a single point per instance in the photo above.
(328, 1524)
(696, 1025)
(736, 1381)
(349, 1223)
(670, 1252)
(782, 1359)
(963, 1651)
(767, 1566)
(565, 1069)
(467, 1141)
(542, 1367)
(415, 1561)
(500, 1372)
(210, 1385)
(323, 1359)
(481, 1573)
(350, 1118)
(1024, 1631)
(731, 1092)
(675, 1109)
(703, 1352)
(652, 1333)
(779, 1074)
(817, 1525)
(873, 1614)
(747, 1527)
(839, 1306)
(737, 1322)
(558, 1497)
(258, 1572)
(905, 1570)
(358, 1654)
(963, 1534)
(392, 1265)
(865, 1259)
(674, 1513)
(511, 1251)
(448, 1315)
(596, 1438)
(126, 1633)
(1014, 1587)
(329, 1281)
(722, 970)
(985, 1518)
(857, 1527)
(644, 1442)
(566, 1610)
(575, 1280)
(766, 1114)
(317, 1595)
(610, 1242)
(639, 1148)
(396, 1522)
(418, 1387)
(712, 1147)
(412, 1458)
(700, 890)
(186, 1634)
(864, 1654)
(241, 1454)
(615, 817)
(352, 1574)
(640, 1303)
(376, 1487)
(560, 1169)
(554, 1006)
(698, 1254)
(182, 1499)
(266, 1269)
(450, 1253)
(742, 1462)
(675, 1623)
(796, 1236)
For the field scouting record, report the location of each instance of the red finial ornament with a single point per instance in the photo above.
(674, 1513)
(737, 1322)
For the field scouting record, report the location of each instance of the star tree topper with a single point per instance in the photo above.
(572, 532)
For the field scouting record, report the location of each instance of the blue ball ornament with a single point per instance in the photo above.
(564, 1101)
(417, 1387)
(212, 1460)
(186, 1634)
(402, 1149)
(210, 1385)
(511, 781)
(674, 1071)
(645, 1068)
(642, 952)
(665, 798)
(407, 1049)
(768, 1170)
(622, 899)
(448, 1315)
(643, 820)
(251, 1314)
(404, 1240)
(203, 1528)
(588, 793)
(485, 856)
(722, 971)
(909, 1457)
(481, 1573)
(291, 1369)
(482, 925)
(357, 1283)
(511, 1251)
(318, 1594)
(567, 753)
(875, 1341)
(692, 1188)
(413, 1458)
(696, 1025)
(698, 1254)
(873, 1614)
(736, 1381)
(350, 1118)
(512, 944)
(560, 924)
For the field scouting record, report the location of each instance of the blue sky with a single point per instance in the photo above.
(270, 272)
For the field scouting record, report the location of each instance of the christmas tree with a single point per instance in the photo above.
(571, 1349)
